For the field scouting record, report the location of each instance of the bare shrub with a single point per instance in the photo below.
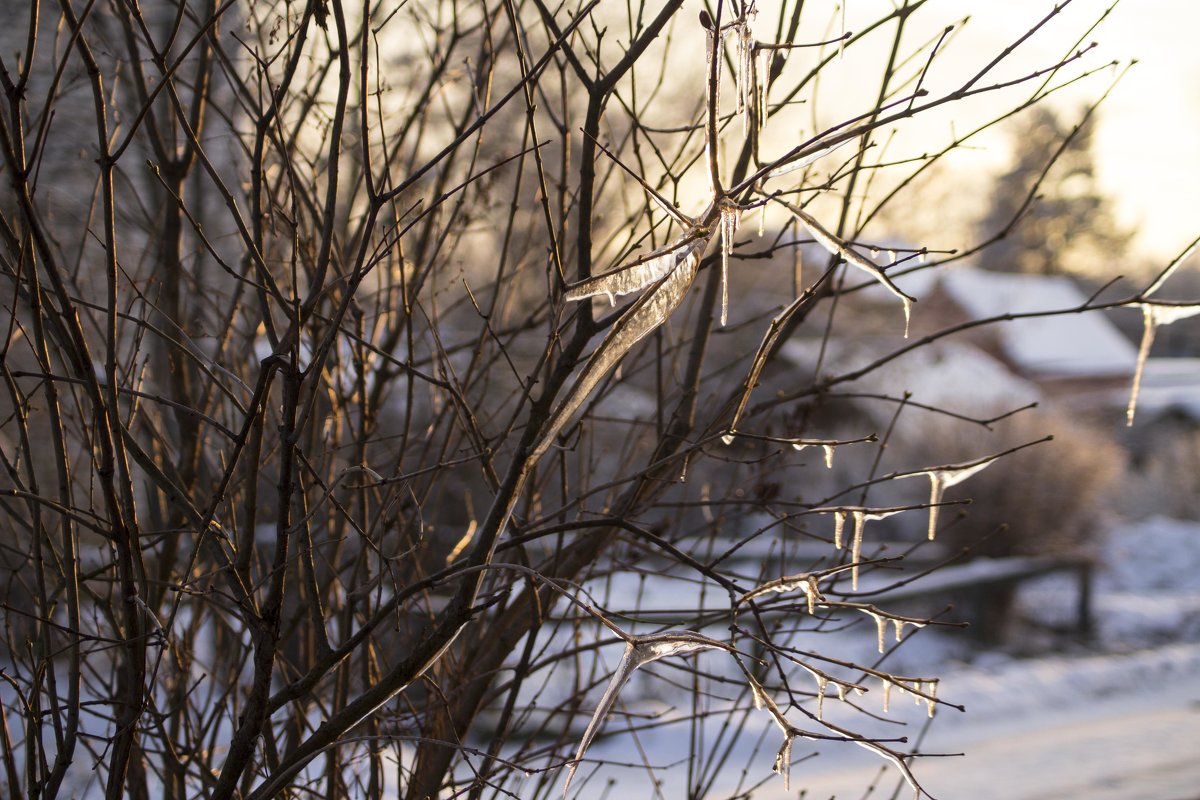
(329, 466)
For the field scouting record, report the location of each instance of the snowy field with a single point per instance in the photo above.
(1117, 719)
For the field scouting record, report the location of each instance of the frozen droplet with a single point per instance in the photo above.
(727, 438)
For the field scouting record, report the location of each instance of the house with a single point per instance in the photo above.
(1075, 357)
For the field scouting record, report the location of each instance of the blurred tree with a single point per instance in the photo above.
(1048, 210)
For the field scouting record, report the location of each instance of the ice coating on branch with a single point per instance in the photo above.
(827, 447)
(713, 70)
(730, 218)
(942, 478)
(639, 650)
(805, 582)
(1152, 317)
(637, 275)
(839, 248)
(783, 759)
(646, 313)
(801, 163)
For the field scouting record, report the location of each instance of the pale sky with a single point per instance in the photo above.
(1146, 141)
(1147, 145)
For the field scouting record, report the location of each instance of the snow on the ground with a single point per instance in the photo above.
(1115, 719)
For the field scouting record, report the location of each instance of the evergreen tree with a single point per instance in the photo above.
(1068, 226)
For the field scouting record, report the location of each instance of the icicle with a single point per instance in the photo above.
(907, 301)
(804, 582)
(887, 694)
(730, 217)
(762, 220)
(1148, 328)
(839, 522)
(811, 593)
(783, 761)
(612, 300)
(822, 684)
(860, 522)
(828, 455)
(747, 84)
(936, 489)
(881, 627)
(841, 691)
(1152, 317)
(899, 624)
(943, 478)
(931, 701)
(891, 256)
(756, 692)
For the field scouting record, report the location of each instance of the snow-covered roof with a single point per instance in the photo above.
(1077, 345)
(950, 375)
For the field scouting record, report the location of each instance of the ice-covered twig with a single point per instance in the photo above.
(827, 445)
(639, 650)
(646, 313)
(636, 275)
(804, 161)
(839, 248)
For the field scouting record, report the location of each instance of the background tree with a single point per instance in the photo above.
(1054, 216)
(328, 466)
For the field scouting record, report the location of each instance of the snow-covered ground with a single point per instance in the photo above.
(1117, 719)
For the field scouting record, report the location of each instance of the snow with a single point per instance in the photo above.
(1118, 720)
(1068, 345)
(969, 381)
